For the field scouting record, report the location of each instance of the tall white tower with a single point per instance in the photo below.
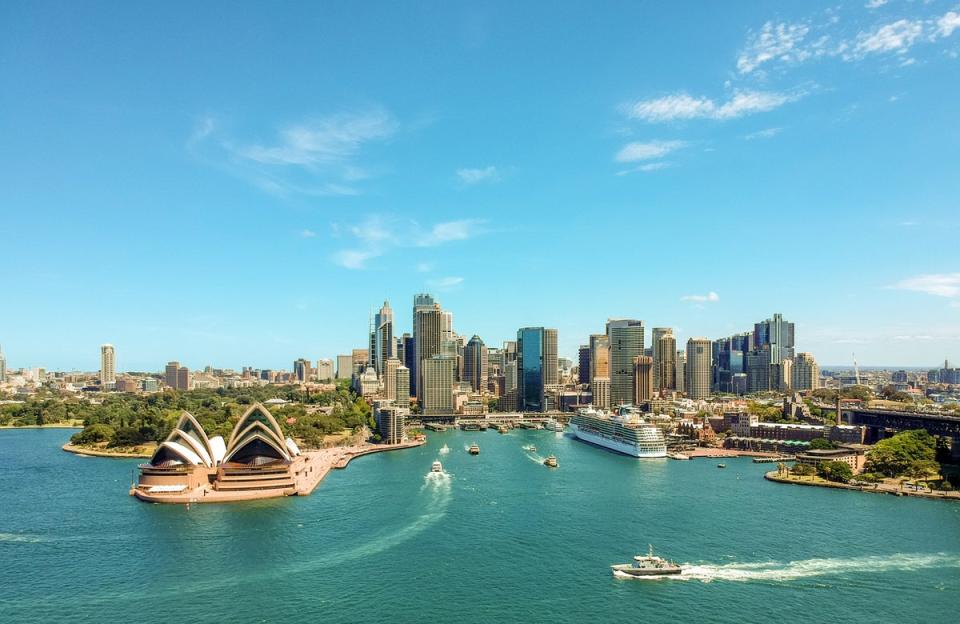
(108, 365)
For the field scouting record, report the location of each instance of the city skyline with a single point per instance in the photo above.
(256, 195)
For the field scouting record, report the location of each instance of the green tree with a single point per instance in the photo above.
(839, 472)
(821, 444)
(896, 455)
(802, 470)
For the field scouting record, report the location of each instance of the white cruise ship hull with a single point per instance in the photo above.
(617, 445)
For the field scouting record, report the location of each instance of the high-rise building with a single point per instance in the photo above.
(757, 369)
(776, 333)
(658, 333)
(601, 392)
(170, 374)
(324, 371)
(3, 366)
(583, 364)
(781, 375)
(361, 359)
(599, 356)
(406, 351)
(390, 378)
(510, 375)
(383, 343)
(626, 343)
(642, 379)
(536, 366)
(806, 373)
(108, 365)
(699, 360)
(403, 386)
(475, 364)
(667, 361)
(184, 378)
(344, 366)
(427, 328)
(680, 371)
(551, 364)
(437, 385)
(301, 370)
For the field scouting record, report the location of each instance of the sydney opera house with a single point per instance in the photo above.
(256, 462)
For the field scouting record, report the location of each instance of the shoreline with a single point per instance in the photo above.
(950, 496)
(88, 452)
(55, 426)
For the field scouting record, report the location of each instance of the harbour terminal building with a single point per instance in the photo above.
(256, 462)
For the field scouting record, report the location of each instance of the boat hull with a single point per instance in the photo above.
(626, 568)
(616, 445)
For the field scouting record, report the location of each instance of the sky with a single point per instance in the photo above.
(243, 183)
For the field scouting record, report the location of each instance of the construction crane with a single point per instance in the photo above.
(856, 369)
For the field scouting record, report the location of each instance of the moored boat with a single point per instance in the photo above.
(624, 432)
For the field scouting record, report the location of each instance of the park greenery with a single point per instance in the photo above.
(836, 471)
(906, 454)
(126, 420)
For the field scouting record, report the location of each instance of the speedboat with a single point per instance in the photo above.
(474, 449)
(721, 465)
(647, 565)
(437, 467)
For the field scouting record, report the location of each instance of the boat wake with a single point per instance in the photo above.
(444, 449)
(778, 571)
(535, 458)
(19, 537)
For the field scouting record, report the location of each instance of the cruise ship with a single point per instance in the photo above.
(624, 432)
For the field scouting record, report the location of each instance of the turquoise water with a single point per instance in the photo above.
(502, 538)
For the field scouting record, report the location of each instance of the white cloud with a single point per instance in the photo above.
(475, 176)
(376, 236)
(767, 133)
(937, 284)
(682, 106)
(647, 151)
(896, 37)
(307, 234)
(654, 166)
(710, 297)
(316, 157)
(948, 23)
(875, 4)
(445, 283)
(773, 42)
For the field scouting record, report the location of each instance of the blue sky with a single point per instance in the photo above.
(235, 184)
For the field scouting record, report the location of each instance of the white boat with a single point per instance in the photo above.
(647, 565)
(553, 425)
(625, 432)
(437, 467)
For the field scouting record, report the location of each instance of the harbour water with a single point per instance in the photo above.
(497, 537)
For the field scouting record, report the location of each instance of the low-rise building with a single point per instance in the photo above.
(854, 455)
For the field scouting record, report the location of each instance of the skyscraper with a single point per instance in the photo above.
(626, 343)
(658, 333)
(680, 371)
(536, 366)
(642, 379)
(806, 373)
(667, 349)
(427, 328)
(699, 360)
(390, 378)
(3, 366)
(383, 347)
(324, 370)
(437, 386)
(601, 392)
(344, 366)
(778, 334)
(108, 365)
(301, 370)
(183, 378)
(403, 386)
(170, 374)
(583, 363)
(599, 356)
(475, 364)
(421, 302)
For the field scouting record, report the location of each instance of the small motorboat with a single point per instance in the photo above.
(437, 467)
(647, 565)
(721, 465)
(551, 462)
(474, 449)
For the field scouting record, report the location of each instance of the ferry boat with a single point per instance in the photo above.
(648, 565)
(553, 425)
(437, 467)
(624, 432)
(474, 449)
(551, 462)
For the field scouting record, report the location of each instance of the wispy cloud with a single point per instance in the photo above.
(307, 234)
(632, 152)
(779, 41)
(445, 283)
(937, 284)
(710, 297)
(947, 24)
(875, 4)
(317, 157)
(469, 177)
(896, 37)
(646, 168)
(682, 106)
(767, 133)
(378, 235)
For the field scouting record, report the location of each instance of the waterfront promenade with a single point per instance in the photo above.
(888, 486)
(308, 470)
